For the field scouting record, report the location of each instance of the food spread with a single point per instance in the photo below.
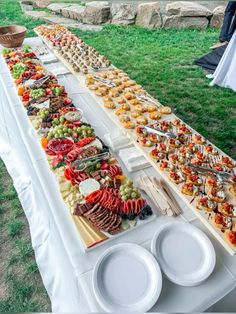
(177, 152)
(90, 178)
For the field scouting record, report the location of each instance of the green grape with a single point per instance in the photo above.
(128, 190)
(98, 165)
(133, 195)
(129, 182)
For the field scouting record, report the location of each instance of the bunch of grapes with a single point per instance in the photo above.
(61, 130)
(37, 93)
(43, 113)
(127, 191)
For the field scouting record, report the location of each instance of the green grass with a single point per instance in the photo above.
(21, 288)
(160, 60)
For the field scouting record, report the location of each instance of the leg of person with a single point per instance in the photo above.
(229, 13)
(232, 29)
(228, 16)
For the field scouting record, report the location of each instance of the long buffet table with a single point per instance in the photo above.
(65, 268)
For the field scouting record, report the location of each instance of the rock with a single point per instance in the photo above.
(26, 7)
(74, 12)
(148, 15)
(177, 21)
(218, 17)
(123, 14)
(55, 19)
(96, 12)
(27, 2)
(57, 7)
(41, 3)
(36, 14)
(186, 8)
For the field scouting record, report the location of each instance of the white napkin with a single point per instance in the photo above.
(49, 58)
(116, 140)
(60, 70)
(133, 159)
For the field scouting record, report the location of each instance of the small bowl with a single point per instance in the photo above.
(12, 36)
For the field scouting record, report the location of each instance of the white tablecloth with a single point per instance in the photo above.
(225, 73)
(64, 266)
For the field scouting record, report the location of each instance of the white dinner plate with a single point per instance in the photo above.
(127, 278)
(185, 254)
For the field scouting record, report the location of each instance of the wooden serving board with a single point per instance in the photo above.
(204, 217)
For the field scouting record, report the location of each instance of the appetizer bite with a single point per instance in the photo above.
(221, 222)
(204, 203)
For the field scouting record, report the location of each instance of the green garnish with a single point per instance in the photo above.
(5, 51)
(26, 48)
(18, 69)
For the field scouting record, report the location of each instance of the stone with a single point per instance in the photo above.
(26, 7)
(186, 8)
(74, 12)
(27, 2)
(217, 17)
(123, 14)
(55, 19)
(96, 12)
(41, 3)
(57, 7)
(176, 21)
(37, 15)
(148, 15)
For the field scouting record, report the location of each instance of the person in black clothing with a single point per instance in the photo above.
(229, 25)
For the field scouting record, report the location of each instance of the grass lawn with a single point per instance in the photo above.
(21, 288)
(160, 60)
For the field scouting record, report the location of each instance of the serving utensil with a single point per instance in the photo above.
(104, 81)
(221, 175)
(160, 132)
(90, 161)
(96, 68)
(146, 98)
(58, 36)
(41, 81)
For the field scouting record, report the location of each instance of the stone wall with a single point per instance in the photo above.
(210, 4)
(149, 14)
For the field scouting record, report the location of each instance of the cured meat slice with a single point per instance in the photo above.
(94, 209)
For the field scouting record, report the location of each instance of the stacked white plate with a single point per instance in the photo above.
(185, 254)
(127, 278)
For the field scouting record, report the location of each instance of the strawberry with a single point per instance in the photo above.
(67, 101)
(48, 91)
